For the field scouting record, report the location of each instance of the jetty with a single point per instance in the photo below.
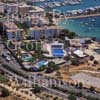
(82, 16)
(88, 12)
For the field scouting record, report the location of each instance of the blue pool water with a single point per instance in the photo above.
(41, 63)
(58, 52)
(26, 57)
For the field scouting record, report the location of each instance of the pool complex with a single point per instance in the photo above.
(41, 63)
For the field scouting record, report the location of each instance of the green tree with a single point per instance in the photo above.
(72, 97)
(55, 98)
(79, 94)
(67, 33)
(80, 85)
(92, 88)
(42, 67)
(96, 62)
(52, 65)
(71, 35)
(3, 79)
(37, 89)
(75, 62)
(50, 18)
(5, 92)
(91, 58)
(0, 61)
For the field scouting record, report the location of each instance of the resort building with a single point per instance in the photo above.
(79, 53)
(25, 9)
(55, 50)
(11, 8)
(45, 31)
(2, 7)
(37, 11)
(12, 31)
(35, 21)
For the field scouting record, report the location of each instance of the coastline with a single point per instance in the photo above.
(82, 6)
(88, 25)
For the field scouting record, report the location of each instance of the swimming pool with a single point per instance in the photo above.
(26, 57)
(41, 63)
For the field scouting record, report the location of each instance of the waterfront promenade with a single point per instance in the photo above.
(81, 16)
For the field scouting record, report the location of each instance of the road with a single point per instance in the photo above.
(49, 89)
(63, 95)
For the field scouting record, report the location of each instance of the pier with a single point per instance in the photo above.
(81, 16)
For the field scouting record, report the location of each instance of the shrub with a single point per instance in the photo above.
(91, 58)
(80, 85)
(75, 62)
(92, 88)
(5, 92)
(37, 89)
(72, 97)
(96, 62)
(56, 98)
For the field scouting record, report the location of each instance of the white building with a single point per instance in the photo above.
(25, 9)
(54, 49)
(45, 31)
(2, 7)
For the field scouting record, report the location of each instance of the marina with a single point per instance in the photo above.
(87, 27)
(88, 24)
(58, 4)
(82, 5)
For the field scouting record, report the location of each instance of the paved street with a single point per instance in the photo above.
(56, 92)
(87, 79)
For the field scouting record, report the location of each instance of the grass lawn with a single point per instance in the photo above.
(3, 79)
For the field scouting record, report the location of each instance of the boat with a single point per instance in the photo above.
(86, 23)
(93, 20)
(89, 28)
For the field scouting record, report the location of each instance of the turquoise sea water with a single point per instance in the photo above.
(89, 26)
(83, 5)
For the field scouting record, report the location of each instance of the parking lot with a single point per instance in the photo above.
(87, 79)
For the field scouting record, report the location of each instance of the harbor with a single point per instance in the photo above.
(55, 3)
(59, 3)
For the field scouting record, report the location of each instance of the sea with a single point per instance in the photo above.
(86, 27)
